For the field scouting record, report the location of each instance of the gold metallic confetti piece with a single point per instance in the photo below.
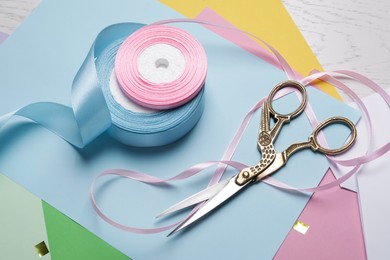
(301, 227)
(42, 249)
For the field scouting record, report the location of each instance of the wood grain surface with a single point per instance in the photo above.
(347, 34)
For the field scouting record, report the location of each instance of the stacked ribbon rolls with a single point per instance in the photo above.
(153, 97)
(161, 67)
(156, 94)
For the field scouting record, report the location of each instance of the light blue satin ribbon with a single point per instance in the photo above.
(94, 110)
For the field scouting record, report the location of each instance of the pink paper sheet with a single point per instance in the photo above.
(335, 230)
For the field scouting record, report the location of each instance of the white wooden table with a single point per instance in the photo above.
(347, 34)
(343, 34)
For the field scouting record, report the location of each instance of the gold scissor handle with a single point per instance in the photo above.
(315, 145)
(329, 121)
(284, 118)
(285, 84)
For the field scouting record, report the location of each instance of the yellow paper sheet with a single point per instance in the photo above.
(269, 20)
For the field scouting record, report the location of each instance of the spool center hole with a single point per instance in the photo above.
(162, 63)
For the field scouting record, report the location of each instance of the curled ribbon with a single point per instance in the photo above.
(331, 77)
(94, 110)
(90, 114)
(155, 127)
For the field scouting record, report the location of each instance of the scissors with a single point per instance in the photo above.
(270, 162)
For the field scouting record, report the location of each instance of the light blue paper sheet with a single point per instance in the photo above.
(38, 63)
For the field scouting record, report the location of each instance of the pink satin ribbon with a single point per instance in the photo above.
(161, 95)
(143, 177)
(331, 77)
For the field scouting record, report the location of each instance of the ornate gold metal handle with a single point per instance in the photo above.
(329, 121)
(316, 146)
(284, 118)
(250, 173)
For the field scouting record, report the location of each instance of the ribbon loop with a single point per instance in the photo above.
(94, 111)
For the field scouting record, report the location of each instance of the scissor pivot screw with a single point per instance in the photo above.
(245, 175)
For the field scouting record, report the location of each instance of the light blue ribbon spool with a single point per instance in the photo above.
(141, 128)
(95, 111)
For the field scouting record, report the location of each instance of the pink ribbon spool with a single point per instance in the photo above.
(161, 67)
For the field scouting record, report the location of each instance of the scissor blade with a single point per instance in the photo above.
(228, 191)
(203, 195)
